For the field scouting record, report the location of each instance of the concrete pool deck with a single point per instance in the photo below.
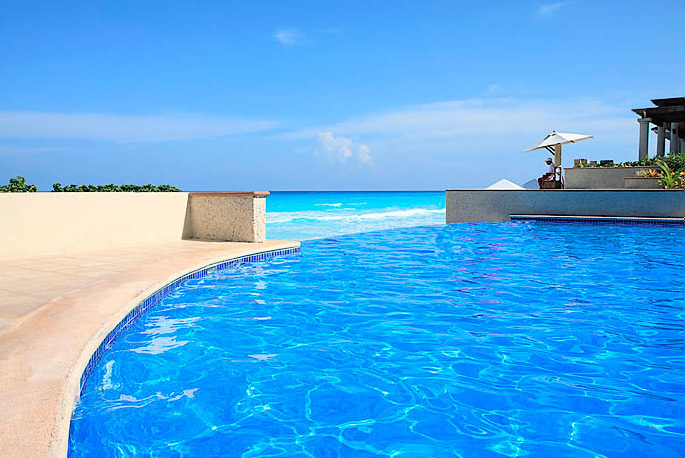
(54, 313)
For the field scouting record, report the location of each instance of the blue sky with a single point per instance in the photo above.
(334, 95)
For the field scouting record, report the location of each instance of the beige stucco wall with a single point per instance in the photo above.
(496, 205)
(37, 224)
(599, 177)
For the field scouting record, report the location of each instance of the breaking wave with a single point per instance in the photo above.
(285, 217)
(336, 204)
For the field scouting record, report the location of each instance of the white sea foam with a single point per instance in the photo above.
(336, 204)
(285, 217)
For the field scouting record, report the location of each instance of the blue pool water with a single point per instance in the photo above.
(469, 340)
(308, 215)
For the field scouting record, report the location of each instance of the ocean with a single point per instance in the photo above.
(312, 215)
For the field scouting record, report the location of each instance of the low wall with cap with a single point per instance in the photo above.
(37, 224)
(239, 217)
(601, 177)
(498, 205)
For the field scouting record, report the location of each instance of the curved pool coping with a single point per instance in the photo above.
(157, 296)
(134, 312)
(46, 361)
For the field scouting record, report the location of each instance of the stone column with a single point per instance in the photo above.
(675, 141)
(660, 140)
(644, 137)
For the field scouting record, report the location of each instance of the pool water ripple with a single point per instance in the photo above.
(470, 340)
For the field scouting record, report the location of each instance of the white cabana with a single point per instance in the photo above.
(505, 184)
(553, 142)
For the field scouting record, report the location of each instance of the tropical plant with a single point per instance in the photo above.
(610, 163)
(18, 184)
(649, 173)
(670, 179)
(675, 162)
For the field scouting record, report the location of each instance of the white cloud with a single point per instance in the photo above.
(493, 90)
(6, 149)
(290, 37)
(342, 148)
(363, 153)
(550, 8)
(124, 128)
(481, 120)
(475, 142)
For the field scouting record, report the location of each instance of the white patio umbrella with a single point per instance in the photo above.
(553, 142)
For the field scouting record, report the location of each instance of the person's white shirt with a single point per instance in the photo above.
(551, 169)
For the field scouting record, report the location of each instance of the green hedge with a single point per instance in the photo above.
(675, 162)
(611, 163)
(57, 187)
(18, 184)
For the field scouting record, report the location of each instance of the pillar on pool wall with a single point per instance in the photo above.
(644, 138)
(660, 140)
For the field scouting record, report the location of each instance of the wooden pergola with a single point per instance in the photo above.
(668, 115)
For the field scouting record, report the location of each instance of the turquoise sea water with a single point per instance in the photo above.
(308, 215)
(469, 340)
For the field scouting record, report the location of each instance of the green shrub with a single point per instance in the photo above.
(18, 184)
(675, 162)
(57, 187)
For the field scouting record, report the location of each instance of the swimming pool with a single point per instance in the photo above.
(468, 340)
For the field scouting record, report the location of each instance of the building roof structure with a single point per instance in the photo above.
(666, 111)
(669, 117)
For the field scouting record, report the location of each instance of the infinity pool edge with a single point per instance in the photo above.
(44, 359)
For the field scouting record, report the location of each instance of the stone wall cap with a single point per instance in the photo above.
(231, 194)
(569, 190)
(618, 167)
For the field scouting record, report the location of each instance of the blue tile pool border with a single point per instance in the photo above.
(156, 297)
(601, 220)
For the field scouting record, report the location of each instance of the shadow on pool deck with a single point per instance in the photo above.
(56, 310)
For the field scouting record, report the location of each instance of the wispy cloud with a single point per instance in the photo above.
(343, 149)
(7, 149)
(124, 128)
(474, 138)
(483, 118)
(290, 37)
(549, 9)
(492, 90)
(297, 37)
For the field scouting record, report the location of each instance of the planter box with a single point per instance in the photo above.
(641, 183)
(601, 177)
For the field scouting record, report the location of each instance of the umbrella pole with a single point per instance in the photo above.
(557, 155)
